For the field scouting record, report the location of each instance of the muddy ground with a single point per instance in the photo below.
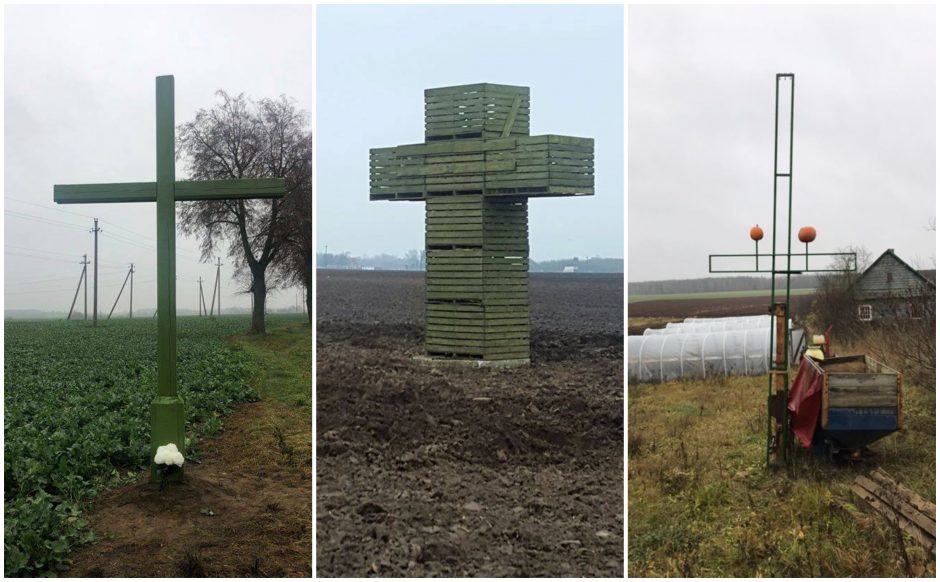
(457, 472)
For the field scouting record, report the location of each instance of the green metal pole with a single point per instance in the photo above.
(773, 274)
(786, 323)
(168, 416)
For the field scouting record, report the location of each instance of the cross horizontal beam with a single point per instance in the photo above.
(185, 191)
(804, 256)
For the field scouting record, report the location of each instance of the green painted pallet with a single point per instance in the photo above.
(475, 172)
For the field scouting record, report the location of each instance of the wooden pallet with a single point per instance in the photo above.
(483, 110)
(899, 505)
(477, 279)
(534, 166)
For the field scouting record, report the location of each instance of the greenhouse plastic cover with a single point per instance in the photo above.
(718, 324)
(660, 358)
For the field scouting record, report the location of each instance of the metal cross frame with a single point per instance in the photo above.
(167, 410)
(779, 439)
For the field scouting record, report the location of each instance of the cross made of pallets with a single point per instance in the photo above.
(475, 172)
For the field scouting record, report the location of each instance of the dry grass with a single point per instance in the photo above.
(701, 502)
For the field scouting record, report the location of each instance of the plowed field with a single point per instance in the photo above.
(459, 471)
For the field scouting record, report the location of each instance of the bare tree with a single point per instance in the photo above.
(238, 138)
(833, 302)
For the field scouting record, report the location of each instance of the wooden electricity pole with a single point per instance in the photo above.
(131, 313)
(201, 302)
(218, 283)
(94, 316)
(126, 277)
(84, 264)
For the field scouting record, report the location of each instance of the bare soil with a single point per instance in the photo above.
(464, 471)
(723, 307)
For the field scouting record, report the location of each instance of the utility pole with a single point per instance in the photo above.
(218, 282)
(77, 289)
(200, 302)
(214, 288)
(85, 263)
(126, 277)
(94, 320)
(131, 314)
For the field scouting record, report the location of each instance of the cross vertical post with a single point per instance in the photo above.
(167, 415)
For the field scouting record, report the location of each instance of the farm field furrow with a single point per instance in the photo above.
(720, 307)
(467, 471)
(637, 298)
(77, 404)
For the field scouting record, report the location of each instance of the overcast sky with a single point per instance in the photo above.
(701, 121)
(373, 65)
(79, 108)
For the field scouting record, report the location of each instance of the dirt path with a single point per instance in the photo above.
(245, 509)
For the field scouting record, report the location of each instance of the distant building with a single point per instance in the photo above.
(891, 289)
(570, 269)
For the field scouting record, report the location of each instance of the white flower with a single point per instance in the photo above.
(168, 455)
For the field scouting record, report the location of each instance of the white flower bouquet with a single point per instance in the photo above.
(169, 460)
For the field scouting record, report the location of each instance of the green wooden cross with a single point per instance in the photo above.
(167, 411)
(475, 171)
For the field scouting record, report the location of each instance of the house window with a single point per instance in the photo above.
(916, 310)
(864, 312)
(888, 278)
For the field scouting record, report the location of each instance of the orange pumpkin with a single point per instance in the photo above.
(757, 233)
(807, 234)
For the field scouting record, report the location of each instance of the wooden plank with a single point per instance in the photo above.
(890, 496)
(926, 507)
(861, 381)
(887, 511)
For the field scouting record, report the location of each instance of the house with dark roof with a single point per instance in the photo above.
(891, 289)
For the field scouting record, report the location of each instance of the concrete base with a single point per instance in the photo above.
(437, 362)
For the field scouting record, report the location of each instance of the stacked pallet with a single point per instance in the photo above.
(483, 110)
(477, 277)
(533, 166)
(476, 170)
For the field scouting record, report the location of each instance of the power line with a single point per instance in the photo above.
(44, 207)
(27, 216)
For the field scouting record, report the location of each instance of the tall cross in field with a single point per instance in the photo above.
(779, 436)
(167, 411)
(475, 171)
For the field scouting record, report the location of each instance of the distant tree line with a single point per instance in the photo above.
(590, 265)
(414, 260)
(707, 285)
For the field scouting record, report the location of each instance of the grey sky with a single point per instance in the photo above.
(79, 108)
(373, 64)
(701, 111)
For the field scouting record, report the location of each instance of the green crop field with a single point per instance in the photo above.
(77, 417)
(633, 298)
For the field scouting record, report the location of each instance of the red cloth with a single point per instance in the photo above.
(805, 401)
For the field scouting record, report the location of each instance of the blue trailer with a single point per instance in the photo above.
(861, 403)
